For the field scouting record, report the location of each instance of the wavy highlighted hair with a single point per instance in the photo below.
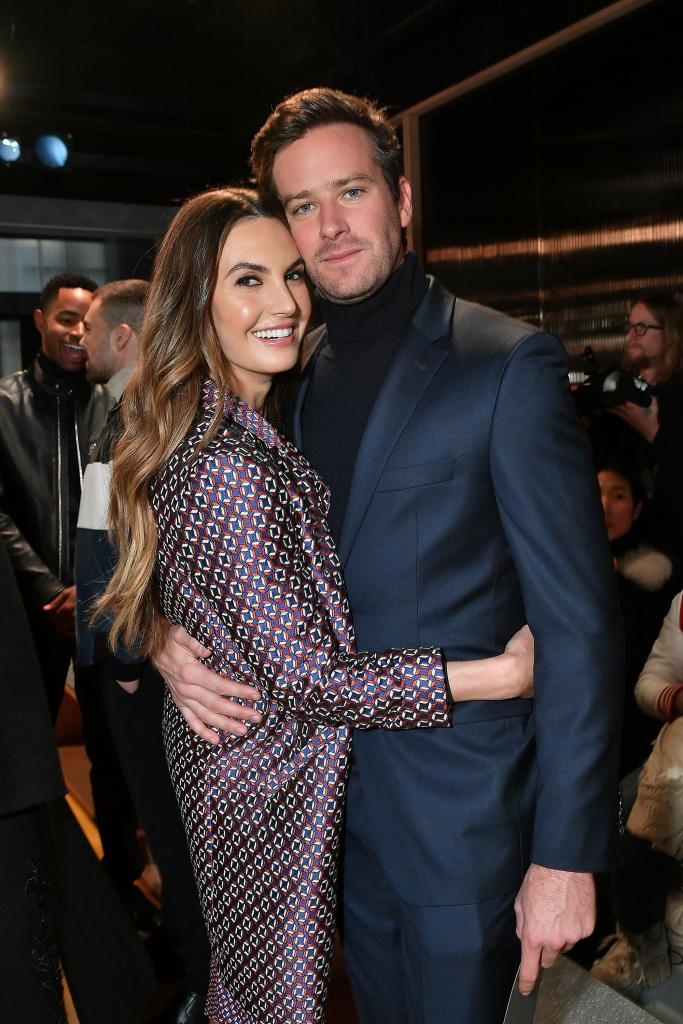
(178, 348)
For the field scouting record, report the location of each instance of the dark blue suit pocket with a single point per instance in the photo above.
(402, 477)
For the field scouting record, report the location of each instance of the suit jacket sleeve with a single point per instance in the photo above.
(275, 630)
(548, 502)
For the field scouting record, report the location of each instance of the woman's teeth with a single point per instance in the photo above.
(280, 332)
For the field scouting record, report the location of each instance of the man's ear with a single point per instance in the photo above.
(405, 201)
(39, 320)
(121, 335)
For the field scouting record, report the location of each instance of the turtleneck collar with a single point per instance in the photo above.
(392, 305)
(51, 379)
(56, 372)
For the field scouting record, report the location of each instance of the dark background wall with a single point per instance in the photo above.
(556, 193)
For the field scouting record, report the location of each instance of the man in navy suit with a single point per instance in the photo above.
(464, 504)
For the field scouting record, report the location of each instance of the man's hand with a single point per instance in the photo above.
(61, 611)
(645, 421)
(554, 909)
(205, 699)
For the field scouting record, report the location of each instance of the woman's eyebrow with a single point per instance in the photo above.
(249, 266)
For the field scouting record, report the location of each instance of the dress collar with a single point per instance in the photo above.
(241, 413)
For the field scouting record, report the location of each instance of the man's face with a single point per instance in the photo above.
(98, 342)
(340, 211)
(60, 326)
(645, 355)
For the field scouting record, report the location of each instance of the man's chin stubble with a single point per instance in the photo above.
(342, 298)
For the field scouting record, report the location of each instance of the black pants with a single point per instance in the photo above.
(135, 721)
(54, 656)
(642, 883)
(115, 812)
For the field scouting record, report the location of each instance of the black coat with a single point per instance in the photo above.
(29, 765)
(83, 924)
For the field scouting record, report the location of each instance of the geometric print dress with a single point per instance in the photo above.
(246, 564)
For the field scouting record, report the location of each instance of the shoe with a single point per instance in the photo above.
(652, 947)
(186, 1008)
(620, 967)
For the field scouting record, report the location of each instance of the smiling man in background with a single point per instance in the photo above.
(48, 414)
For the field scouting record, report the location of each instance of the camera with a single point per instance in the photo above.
(601, 389)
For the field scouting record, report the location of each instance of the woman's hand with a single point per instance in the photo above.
(521, 648)
(510, 674)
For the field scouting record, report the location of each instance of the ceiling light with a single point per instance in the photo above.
(10, 149)
(51, 150)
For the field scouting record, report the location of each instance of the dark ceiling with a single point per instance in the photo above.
(160, 97)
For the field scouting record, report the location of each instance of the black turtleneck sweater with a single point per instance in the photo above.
(362, 339)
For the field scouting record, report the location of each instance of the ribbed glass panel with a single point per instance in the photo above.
(10, 347)
(27, 263)
(556, 193)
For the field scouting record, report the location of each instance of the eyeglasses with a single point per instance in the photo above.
(640, 328)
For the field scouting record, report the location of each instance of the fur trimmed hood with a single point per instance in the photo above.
(647, 567)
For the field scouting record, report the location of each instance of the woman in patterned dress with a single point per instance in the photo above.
(220, 524)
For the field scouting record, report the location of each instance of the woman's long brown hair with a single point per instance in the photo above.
(179, 347)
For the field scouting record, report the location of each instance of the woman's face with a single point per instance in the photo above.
(261, 305)
(618, 505)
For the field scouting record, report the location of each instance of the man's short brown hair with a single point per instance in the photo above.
(123, 302)
(297, 115)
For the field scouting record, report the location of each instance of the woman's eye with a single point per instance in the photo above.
(296, 275)
(247, 281)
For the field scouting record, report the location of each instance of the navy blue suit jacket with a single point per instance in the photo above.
(473, 509)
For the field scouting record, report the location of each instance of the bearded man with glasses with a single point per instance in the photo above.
(651, 438)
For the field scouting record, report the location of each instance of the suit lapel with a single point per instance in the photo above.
(417, 360)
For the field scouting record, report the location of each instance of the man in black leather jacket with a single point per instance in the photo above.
(48, 416)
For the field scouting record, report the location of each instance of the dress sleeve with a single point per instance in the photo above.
(256, 602)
